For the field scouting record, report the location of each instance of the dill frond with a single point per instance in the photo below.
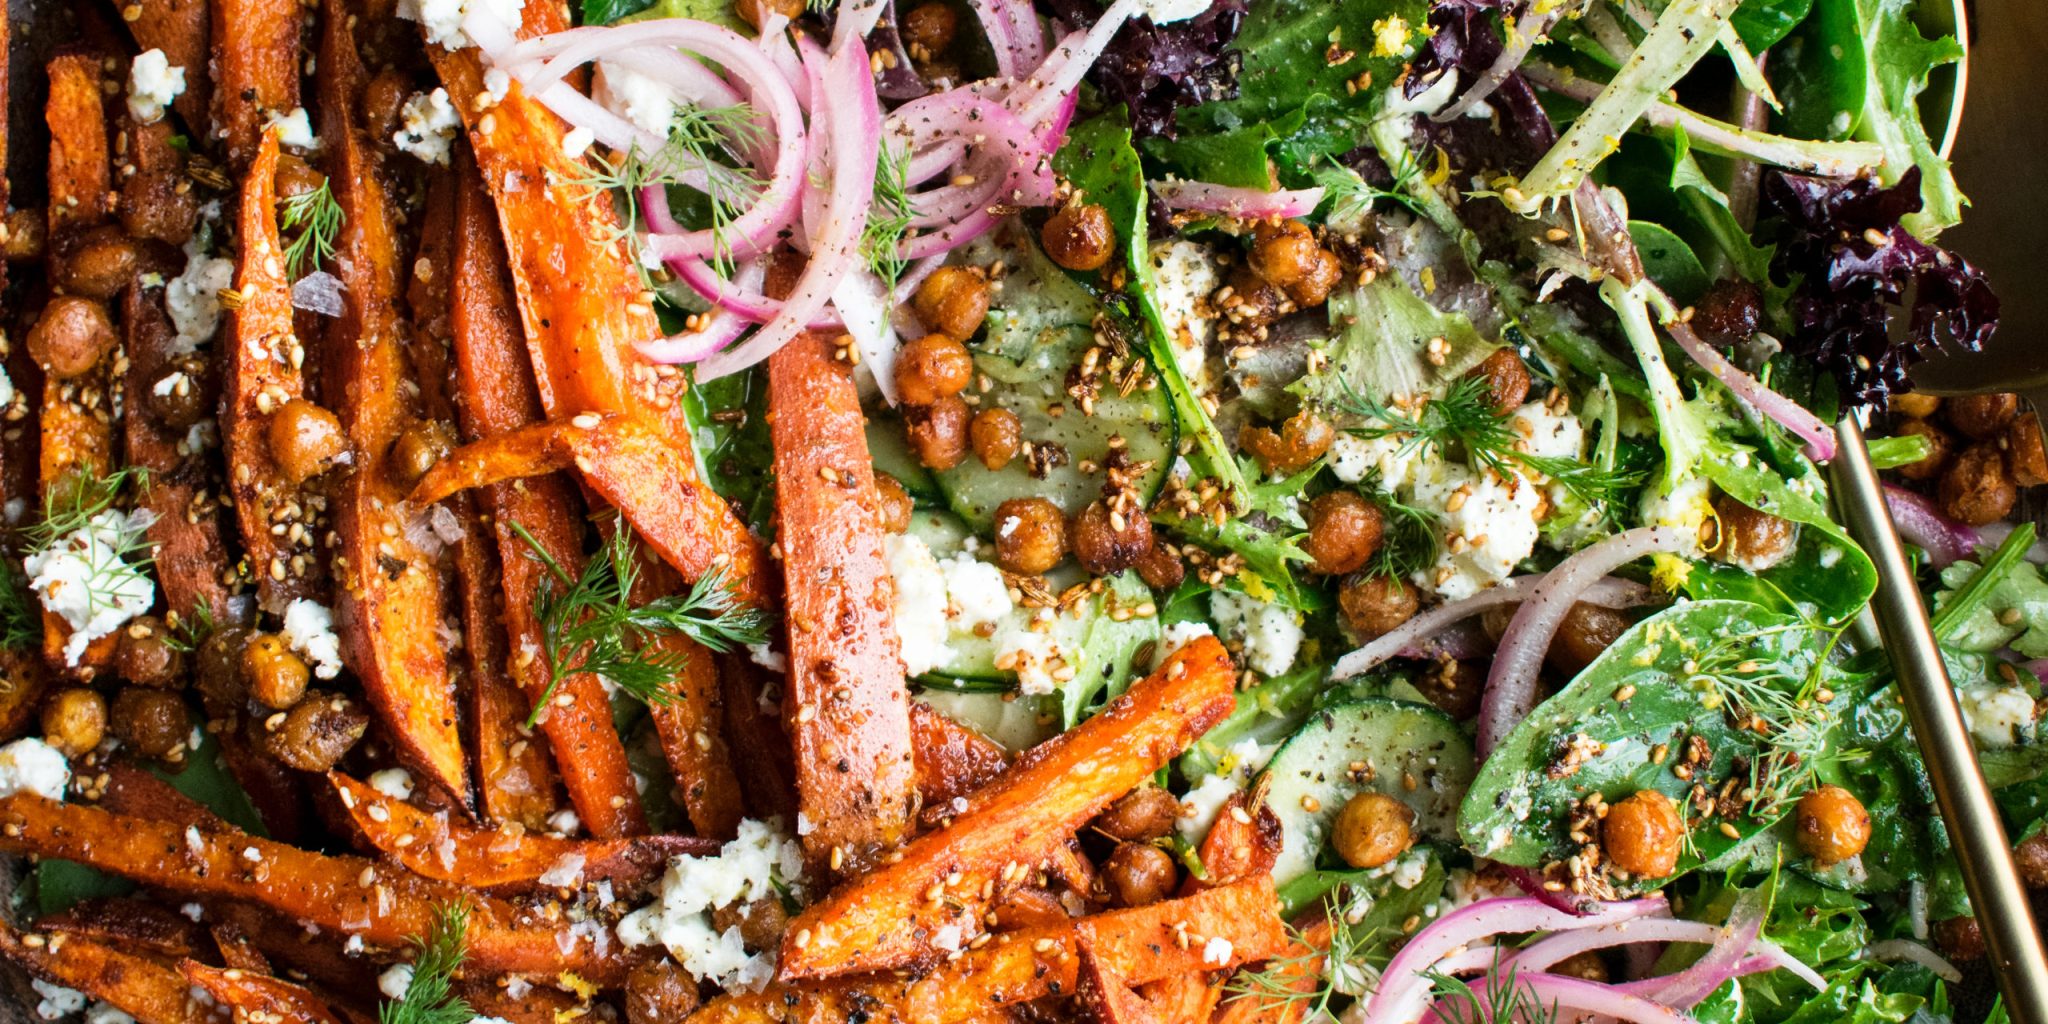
(429, 997)
(313, 220)
(889, 218)
(703, 152)
(1507, 999)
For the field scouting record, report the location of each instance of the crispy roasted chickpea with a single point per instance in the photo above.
(305, 440)
(930, 27)
(932, 367)
(1139, 874)
(1975, 489)
(145, 654)
(1751, 539)
(1454, 686)
(1832, 825)
(418, 448)
(1313, 288)
(1140, 816)
(953, 301)
(151, 722)
(2031, 856)
(761, 922)
(1028, 906)
(1587, 965)
(71, 337)
(220, 667)
(2025, 456)
(1939, 447)
(1960, 938)
(1981, 417)
(1031, 535)
(895, 507)
(24, 235)
(1507, 380)
(1585, 631)
(938, 432)
(182, 396)
(1078, 236)
(659, 991)
(1915, 404)
(1642, 834)
(997, 437)
(1249, 300)
(1109, 540)
(1729, 312)
(159, 204)
(1343, 532)
(1300, 441)
(98, 264)
(75, 720)
(1284, 252)
(1160, 566)
(314, 735)
(1377, 604)
(275, 675)
(1372, 829)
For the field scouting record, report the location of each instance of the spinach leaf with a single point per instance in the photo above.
(1761, 23)
(728, 420)
(1823, 580)
(1708, 207)
(1669, 261)
(1296, 50)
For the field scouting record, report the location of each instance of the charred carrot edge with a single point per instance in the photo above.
(351, 895)
(846, 706)
(264, 371)
(517, 781)
(1303, 966)
(254, 70)
(888, 918)
(138, 986)
(692, 732)
(388, 606)
(252, 996)
(495, 380)
(316, 957)
(236, 951)
(77, 432)
(1244, 841)
(132, 789)
(1166, 939)
(180, 29)
(432, 847)
(952, 759)
(760, 747)
(1104, 996)
(130, 923)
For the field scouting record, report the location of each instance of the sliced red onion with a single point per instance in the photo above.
(1246, 203)
(1907, 949)
(1945, 540)
(995, 24)
(864, 306)
(856, 18)
(1511, 684)
(1060, 75)
(1591, 997)
(1647, 987)
(851, 114)
(1025, 32)
(1405, 985)
(721, 327)
(1413, 634)
(1818, 435)
(732, 295)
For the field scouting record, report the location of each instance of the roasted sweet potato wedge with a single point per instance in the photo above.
(1302, 965)
(252, 996)
(144, 989)
(952, 759)
(1104, 996)
(255, 70)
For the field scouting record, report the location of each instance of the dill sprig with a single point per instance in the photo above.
(1411, 537)
(1508, 999)
(889, 217)
(71, 504)
(589, 623)
(702, 152)
(313, 220)
(1765, 695)
(429, 996)
(1351, 196)
(1278, 986)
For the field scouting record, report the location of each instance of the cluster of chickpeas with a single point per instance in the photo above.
(1643, 833)
(1286, 270)
(1983, 448)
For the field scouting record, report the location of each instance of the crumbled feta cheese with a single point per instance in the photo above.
(1998, 716)
(767, 657)
(947, 939)
(395, 783)
(1175, 637)
(442, 19)
(1217, 951)
(1394, 463)
(294, 130)
(496, 84)
(193, 298)
(1184, 275)
(744, 870)
(577, 141)
(427, 126)
(57, 1001)
(1270, 633)
(107, 1013)
(1164, 11)
(153, 82)
(83, 579)
(488, 1020)
(938, 599)
(193, 912)
(975, 591)
(29, 765)
(1198, 809)
(309, 628)
(395, 980)
(1489, 526)
(1688, 505)
(6, 388)
(638, 98)
(1548, 432)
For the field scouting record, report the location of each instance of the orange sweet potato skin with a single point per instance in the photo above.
(180, 28)
(251, 996)
(952, 759)
(846, 707)
(255, 70)
(1104, 996)
(140, 987)
(1303, 966)
(884, 920)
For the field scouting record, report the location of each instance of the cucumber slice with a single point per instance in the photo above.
(1396, 741)
(889, 449)
(1017, 723)
(1036, 392)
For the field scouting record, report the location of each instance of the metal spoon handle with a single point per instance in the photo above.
(1972, 819)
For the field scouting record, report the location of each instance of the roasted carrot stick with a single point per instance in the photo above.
(388, 605)
(952, 759)
(1168, 938)
(138, 986)
(254, 71)
(180, 28)
(692, 732)
(130, 923)
(495, 380)
(253, 997)
(1104, 995)
(351, 895)
(889, 918)
(760, 746)
(264, 371)
(431, 846)
(1302, 967)
(80, 174)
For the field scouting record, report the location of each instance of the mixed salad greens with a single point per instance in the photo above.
(1513, 513)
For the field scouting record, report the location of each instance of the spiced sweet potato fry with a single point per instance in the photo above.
(952, 759)
(889, 918)
(1104, 996)
(1300, 968)
(149, 991)
(251, 996)
(254, 71)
